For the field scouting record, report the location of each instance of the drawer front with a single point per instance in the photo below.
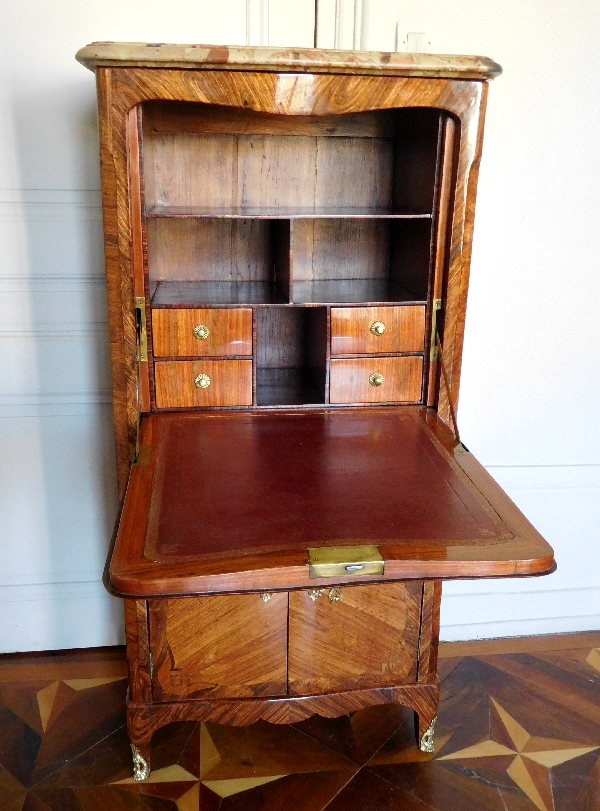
(358, 380)
(368, 330)
(353, 637)
(221, 383)
(226, 646)
(202, 333)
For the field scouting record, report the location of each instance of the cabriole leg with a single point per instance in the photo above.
(141, 762)
(140, 736)
(425, 733)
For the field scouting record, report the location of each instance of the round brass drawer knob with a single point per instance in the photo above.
(202, 381)
(377, 327)
(376, 379)
(201, 332)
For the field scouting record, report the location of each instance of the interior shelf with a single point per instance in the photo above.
(295, 386)
(280, 213)
(350, 291)
(211, 294)
(291, 355)
(169, 294)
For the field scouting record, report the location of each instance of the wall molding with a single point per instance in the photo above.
(55, 590)
(46, 398)
(47, 283)
(71, 197)
(83, 405)
(257, 22)
(547, 479)
(343, 24)
(50, 332)
(50, 205)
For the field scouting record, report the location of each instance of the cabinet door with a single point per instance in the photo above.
(227, 646)
(367, 638)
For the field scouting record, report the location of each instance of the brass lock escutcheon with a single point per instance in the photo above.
(344, 561)
(201, 332)
(376, 379)
(202, 381)
(377, 328)
(335, 594)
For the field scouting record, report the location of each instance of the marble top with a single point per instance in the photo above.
(294, 60)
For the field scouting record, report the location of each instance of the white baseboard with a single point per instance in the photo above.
(55, 616)
(563, 503)
(500, 612)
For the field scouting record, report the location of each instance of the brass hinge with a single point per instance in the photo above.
(150, 666)
(143, 454)
(140, 326)
(436, 306)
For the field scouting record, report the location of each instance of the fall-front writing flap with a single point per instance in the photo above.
(235, 501)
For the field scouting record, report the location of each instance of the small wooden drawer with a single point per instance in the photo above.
(202, 333)
(358, 380)
(368, 330)
(196, 383)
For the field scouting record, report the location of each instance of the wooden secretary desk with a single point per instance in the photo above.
(287, 239)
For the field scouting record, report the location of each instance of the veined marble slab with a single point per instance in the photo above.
(209, 57)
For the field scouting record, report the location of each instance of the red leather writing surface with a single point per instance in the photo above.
(242, 482)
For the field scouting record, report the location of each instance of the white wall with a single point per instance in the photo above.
(530, 379)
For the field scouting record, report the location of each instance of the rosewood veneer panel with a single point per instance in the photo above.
(230, 383)
(229, 332)
(351, 330)
(226, 646)
(350, 380)
(364, 637)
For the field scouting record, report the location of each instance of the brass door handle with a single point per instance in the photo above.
(202, 381)
(377, 328)
(201, 332)
(376, 379)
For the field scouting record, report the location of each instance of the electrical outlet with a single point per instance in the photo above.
(412, 37)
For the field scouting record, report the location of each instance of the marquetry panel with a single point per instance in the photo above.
(202, 332)
(356, 330)
(223, 646)
(230, 383)
(353, 637)
(351, 380)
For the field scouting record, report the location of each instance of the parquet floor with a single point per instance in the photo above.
(518, 730)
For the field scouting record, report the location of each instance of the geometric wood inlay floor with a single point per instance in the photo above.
(518, 730)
